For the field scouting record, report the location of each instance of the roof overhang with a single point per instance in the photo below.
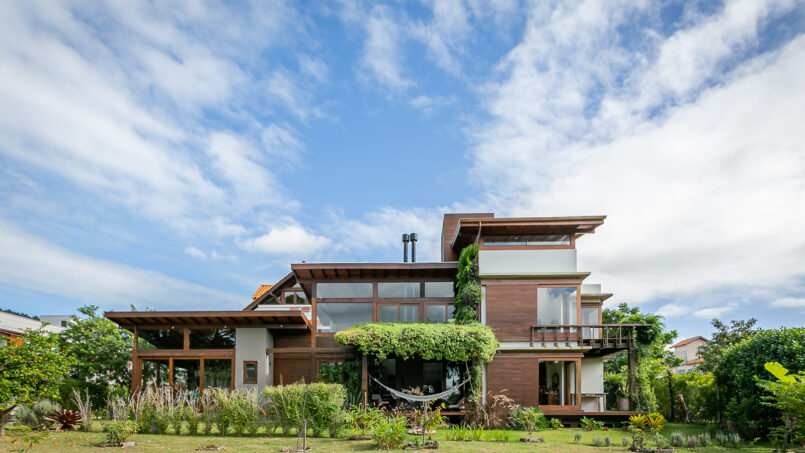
(538, 276)
(594, 297)
(467, 229)
(271, 319)
(306, 273)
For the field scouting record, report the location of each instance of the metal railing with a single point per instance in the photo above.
(619, 336)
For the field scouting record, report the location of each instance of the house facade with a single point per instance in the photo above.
(13, 326)
(544, 314)
(688, 351)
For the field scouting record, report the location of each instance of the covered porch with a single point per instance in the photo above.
(194, 350)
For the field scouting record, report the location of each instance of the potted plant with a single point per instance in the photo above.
(623, 398)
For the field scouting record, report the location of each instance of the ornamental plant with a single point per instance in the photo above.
(119, 431)
(430, 341)
(468, 286)
(787, 394)
(31, 368)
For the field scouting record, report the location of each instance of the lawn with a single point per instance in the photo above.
(555, 440)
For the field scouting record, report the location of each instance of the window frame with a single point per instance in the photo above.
(398, 305)
(482, 244)
(246, 363)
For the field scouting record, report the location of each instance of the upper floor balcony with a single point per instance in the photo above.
(602, 339)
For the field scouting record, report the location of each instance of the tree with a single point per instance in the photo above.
(724, 337)
(31, 368)
(787, 396)
(101, 351)
(740, 364)
(651, 353)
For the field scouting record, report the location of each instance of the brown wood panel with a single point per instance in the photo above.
(449, 223)
(292, 368)
(511, 309)
(283, 340)
(514, 375)
(326, 341)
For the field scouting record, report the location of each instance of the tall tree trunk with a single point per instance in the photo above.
(633, 392)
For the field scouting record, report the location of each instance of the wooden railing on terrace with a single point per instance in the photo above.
(597, 336)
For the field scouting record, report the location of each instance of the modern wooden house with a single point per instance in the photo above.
(535, 299)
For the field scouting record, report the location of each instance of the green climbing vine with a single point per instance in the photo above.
(468, 286)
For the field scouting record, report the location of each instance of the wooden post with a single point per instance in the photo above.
(365, 380)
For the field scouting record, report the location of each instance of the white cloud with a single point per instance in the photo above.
(196, 253)
(31, 263)
(714, 312)
(288, 240)
(789, 302)
(383, 56)
(694, 196)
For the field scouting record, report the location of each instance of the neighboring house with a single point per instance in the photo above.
(688, 352)
(15, 325)
(548, 323)
(57, 320)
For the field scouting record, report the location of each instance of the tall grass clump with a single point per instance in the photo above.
(289, 406)
(34, 416)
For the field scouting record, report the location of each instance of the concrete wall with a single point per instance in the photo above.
(592, 381)
(514, 262)
(251, 345)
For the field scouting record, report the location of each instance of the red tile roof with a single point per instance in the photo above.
(684, 342)
(694, 361)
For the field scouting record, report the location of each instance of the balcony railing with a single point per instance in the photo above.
(597, 336)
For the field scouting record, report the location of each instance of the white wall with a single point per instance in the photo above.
(592, 375)
(592, 381)
(251, 345)
(513, 262)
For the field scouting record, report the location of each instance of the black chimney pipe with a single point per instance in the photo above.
(413, 247)
(405, 248)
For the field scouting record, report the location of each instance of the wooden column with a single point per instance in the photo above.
(135, 363)
(365, 380)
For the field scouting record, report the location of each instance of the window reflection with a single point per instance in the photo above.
(333, 317)
(344, 290)
(398, 290)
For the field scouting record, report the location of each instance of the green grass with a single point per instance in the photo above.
(555, 440)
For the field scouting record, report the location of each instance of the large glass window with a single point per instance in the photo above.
(156, 371)
(556, 306)
(557, 383)
(398, 290)
(293, 297)
(344, 290)
(333, 317)
(439, 289)
(217, 373)
(526, 240)
(186, 373)
(160, 339)
(212, 339)
(398, 313)
(589, 315)
(439, 312)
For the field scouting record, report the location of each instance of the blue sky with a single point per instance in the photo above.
(176, 155)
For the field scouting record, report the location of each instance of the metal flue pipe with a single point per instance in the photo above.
(413, 247)
(405, 248)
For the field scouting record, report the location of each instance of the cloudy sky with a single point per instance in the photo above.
(175, 155)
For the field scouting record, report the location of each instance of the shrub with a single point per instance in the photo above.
(361, 419)
(119, 431)
(677, 439)
(527, 418)
(597, 441)
(389, 432)
(625, 441)
(705, 439)
(607, 441)
(319, 404)
(577, 437)
(693, 442)
(739, 366)
(496, 414)
(556, 423)
(34, 416)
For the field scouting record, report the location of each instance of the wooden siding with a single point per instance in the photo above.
(449, 224)
(292, 368)
(511, 309)
(514, 375)
(282, 340)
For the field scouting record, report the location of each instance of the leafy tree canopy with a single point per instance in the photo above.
(741, 363)
(724, 337)
(101, 351)
(31, 368)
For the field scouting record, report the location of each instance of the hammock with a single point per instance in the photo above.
(420, 399)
